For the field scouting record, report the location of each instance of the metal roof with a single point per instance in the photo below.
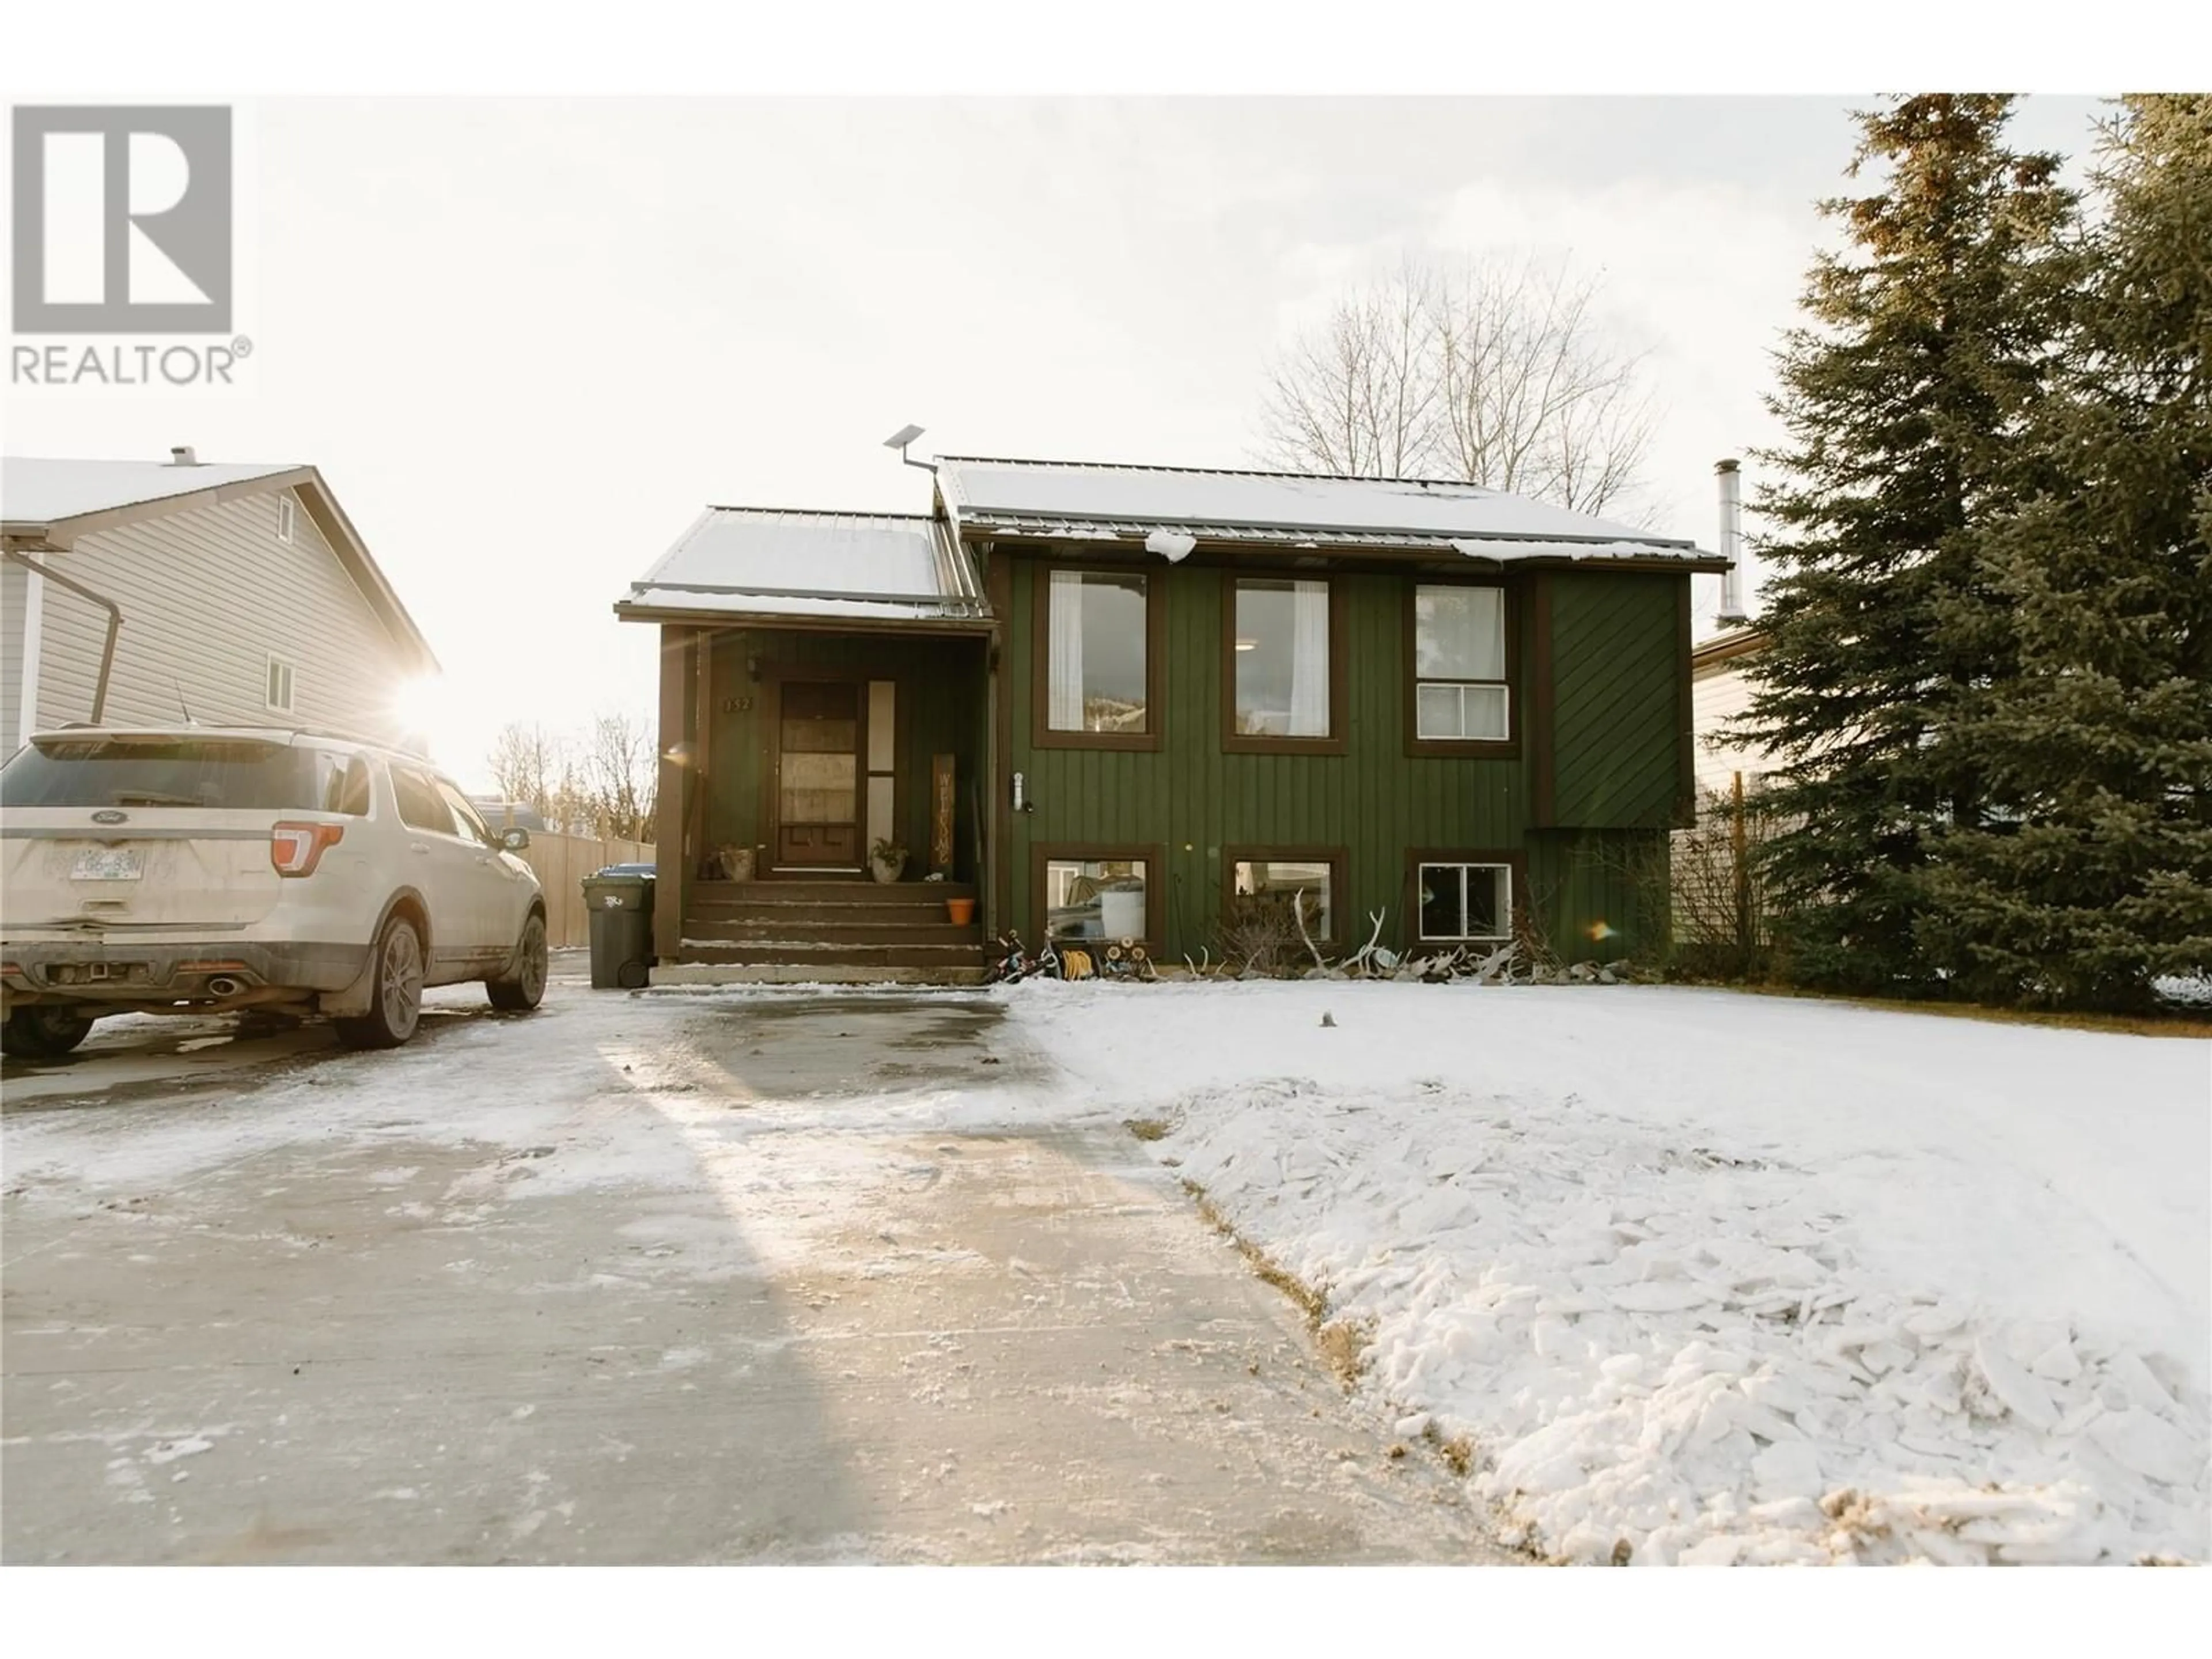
(36, 490)
(1084, 500)
(773, 562)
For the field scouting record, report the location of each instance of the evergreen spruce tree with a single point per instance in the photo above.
(1903, 397)
(2100, 743)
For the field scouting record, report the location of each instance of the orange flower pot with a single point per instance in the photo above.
(961, 911)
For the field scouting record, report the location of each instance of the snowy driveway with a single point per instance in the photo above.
(672, 1278)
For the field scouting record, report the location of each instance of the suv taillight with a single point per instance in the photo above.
(296, 848)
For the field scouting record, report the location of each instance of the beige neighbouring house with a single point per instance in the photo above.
(244, 593)
(1719, 693)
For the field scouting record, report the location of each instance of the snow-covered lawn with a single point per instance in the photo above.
(1727, 1278)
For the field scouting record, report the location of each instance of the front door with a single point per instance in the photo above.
(818, 782)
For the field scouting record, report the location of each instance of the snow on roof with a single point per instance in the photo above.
(772, 562)
(37, 490)
(1078, 498)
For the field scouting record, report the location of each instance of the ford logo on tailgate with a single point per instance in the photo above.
(110, 816)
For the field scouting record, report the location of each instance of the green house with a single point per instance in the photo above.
(1100, 703)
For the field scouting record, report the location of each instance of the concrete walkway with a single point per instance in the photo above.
(670, 1278)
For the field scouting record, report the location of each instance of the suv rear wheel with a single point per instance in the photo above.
(395, 1006)
(37, 1033)
(522, 991)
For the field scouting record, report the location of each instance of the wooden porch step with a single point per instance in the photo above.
(802, 955)
(830, 892)
(857, 925)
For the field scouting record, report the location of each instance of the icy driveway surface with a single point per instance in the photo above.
(719, 1277)
(1715, 1278)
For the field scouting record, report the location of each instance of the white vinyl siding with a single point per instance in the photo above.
(15, 593)
(1719, 694)
(208, 596)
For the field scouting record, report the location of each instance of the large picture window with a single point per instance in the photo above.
(1097, 667)
(1460, 691)
(1465, 901)
(1281, 676)
(1104, 897)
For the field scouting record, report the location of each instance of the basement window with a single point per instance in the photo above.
(1096, 898)
(1466, 901)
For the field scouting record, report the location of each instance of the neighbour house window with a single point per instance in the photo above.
(1097, 674)
(1460, 692)
(1259, 887)
(1466, 901)
(279, 690)
(1100, 898)
(285, 509)
(1279, 660)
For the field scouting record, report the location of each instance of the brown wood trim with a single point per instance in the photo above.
(775, 675)
(1155, 859)
(1543, 706)
(1419, 748)
(1686, 714)
(1042, 736)
(1339, 860)
(997, 883)
(1234, 742)
(1516, 858)
(672, 887)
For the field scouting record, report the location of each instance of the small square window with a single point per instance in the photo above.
(285, 511)
(279, 690)
(1466, 901)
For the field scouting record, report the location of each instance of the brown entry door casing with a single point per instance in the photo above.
(818, 782)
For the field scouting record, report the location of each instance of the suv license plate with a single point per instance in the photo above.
(108, 864)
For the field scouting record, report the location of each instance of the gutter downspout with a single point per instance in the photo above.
(114, 622)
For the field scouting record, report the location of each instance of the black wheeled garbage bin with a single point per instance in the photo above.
(619, 899)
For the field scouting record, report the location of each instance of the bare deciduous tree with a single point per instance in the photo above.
(1500, 373)
(621, 767)
(603, 781)
(524, 764)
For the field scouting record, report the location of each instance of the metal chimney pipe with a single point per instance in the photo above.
(1731, 478)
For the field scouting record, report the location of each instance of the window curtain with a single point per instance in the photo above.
(1064, 664)
(1309, 660)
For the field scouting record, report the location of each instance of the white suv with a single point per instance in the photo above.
(198, 869)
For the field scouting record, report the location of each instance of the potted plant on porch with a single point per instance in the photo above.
(887, 859)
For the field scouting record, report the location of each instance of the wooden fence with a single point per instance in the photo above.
(562, 863)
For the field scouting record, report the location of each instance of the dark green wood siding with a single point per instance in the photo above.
(1618, 672)
(939, 711)
(1375, 802)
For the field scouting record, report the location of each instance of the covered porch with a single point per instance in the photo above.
(801, 731)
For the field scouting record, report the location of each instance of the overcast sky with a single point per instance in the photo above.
(526, 340)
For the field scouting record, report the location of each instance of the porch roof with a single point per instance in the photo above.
(1086, 501)
(778, 563)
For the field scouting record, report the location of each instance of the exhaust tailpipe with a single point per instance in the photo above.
(222, 985)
